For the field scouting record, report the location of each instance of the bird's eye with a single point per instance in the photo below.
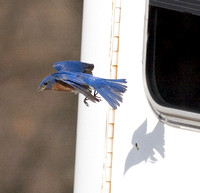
(45, 83)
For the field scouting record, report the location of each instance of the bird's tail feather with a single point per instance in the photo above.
(111, 90)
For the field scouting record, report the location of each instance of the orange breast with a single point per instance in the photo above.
(60, 87)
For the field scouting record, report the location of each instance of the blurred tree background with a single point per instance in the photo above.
(37, 131)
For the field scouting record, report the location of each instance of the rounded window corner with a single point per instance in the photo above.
(172, 64)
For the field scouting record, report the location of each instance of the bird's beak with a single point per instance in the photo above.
(41, 88)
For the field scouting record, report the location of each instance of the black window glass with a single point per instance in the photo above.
(173, 58)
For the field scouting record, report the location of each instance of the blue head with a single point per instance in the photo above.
(47, 83)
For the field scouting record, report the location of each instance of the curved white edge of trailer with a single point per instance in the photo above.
(91, 124)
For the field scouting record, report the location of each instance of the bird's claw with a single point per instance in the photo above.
(85, 101)
(95, 95)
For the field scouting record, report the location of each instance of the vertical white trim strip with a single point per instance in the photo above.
(114, 53)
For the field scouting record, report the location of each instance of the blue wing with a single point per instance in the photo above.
(74, 80)
(110, 89)
(73, 66)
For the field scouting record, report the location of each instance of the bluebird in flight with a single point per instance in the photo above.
(75, 76)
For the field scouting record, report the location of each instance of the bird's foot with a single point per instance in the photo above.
(85, 101)
(95, 95)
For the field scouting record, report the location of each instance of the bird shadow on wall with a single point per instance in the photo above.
(145, 145)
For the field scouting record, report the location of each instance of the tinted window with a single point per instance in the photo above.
(173, 58)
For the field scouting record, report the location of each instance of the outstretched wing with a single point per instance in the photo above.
(73, 66)
(76, 82)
